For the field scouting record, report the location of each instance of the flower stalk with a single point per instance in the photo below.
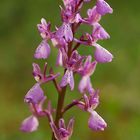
(64, 40)
(59, 114)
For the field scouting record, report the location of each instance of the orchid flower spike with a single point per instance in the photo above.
(65, 40)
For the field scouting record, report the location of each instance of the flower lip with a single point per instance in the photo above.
(102, 55)
(96, 122)
(34, 95)
(68, 79)
(103, 7)
(30, 124)
(42, 51)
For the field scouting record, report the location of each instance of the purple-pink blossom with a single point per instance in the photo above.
(44, 29)
(86, 71)
(62, 132)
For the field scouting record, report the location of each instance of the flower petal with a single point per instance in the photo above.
(70, 126)
(68, 79)
(93, 16)
(96, 122)
(39, 107)
(78, 18)
(68, 33)
(88, 61)
(30, 124)
(67, 2)
(55, 130)
(99, 32)
(42, 51)
(102, 55)
(34, 95)
(85, 85)
(62, 123)
(36, 72)
(89, 69)
(65, 31)
(86, 100)
(71, 82)
(64, 80)
(59, 61)
(103, 7)
(44, 29)
(64, 134)
(94, 99)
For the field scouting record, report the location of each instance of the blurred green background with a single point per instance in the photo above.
(118, 81)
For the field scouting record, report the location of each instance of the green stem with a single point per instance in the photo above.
(60, 104)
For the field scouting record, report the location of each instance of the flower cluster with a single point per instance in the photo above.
(67, 45)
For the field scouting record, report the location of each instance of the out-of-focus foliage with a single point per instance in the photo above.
(118, 81)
